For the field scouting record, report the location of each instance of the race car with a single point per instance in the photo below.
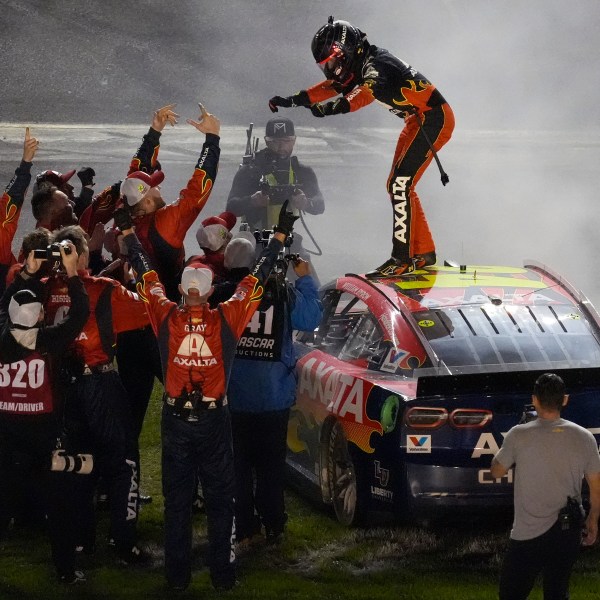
(408, 385)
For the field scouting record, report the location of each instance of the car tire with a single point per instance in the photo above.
(345, 481)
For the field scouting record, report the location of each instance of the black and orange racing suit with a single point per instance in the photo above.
(100, 403)
(197, 347)
(10, 209)
(411, 96)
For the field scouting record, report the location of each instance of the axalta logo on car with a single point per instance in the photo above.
(342, 395)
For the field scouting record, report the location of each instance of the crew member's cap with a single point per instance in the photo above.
(55, 178)
(279, 127)
(24, 309)
(239, 254)
(246, 234)
(215, 232)
(138, 184)
(197, 276)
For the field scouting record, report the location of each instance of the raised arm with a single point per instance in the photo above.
(146, 156)
(174, 221)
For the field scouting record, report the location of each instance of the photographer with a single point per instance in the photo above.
(274, 175)
(197, 346)
(550, 456)
(29, 410)
(262, 388)
(100, 399)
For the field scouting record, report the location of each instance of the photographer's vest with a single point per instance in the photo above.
(273, 178)
(25, 386)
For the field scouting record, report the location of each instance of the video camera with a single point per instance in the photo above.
(82, 464)
(280, 192)
(285, 258)
(52, 253)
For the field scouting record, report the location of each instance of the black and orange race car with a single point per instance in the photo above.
(407, 386)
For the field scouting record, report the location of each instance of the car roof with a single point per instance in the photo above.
(499, 317)
(444, 286)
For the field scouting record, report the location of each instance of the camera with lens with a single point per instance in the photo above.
(572, 514)
(52, 252)
(283, 260)
(280, 192)
(82, 464)
(264, 237)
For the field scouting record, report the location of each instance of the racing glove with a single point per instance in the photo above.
(123, 218)
(286, 221)
(86, 176)
(299, 99)
(324, 109)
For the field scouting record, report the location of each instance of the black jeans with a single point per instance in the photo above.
(107, 433)
(139, 364)
(552, 553)
(189, 450)
(259, 444)
(26, 445)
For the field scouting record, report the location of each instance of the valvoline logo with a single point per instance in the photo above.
(418, 444)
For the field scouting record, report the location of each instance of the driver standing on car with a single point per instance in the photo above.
(360, 73)
(551, 456)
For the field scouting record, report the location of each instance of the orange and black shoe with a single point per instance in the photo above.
(394, 267)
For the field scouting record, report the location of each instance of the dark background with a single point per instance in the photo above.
(522, 78)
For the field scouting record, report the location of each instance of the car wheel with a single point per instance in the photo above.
(344, 479)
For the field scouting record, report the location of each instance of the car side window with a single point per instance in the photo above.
(349, 331)
(365, 344)
(341, 311)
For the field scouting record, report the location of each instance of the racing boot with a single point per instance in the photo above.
(425, 260)
(394, 267)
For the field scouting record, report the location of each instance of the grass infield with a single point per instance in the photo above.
(318, 559)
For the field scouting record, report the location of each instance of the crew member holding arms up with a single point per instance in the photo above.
(197, 346)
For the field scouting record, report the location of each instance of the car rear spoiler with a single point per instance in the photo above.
(430, 386)
(584, 304)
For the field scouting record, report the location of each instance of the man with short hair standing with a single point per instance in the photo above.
(551, 456)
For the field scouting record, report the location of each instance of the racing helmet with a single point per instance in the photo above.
(338, 48)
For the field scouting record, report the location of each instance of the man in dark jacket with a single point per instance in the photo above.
(29, 408)
(262, 388)
(260, 187)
